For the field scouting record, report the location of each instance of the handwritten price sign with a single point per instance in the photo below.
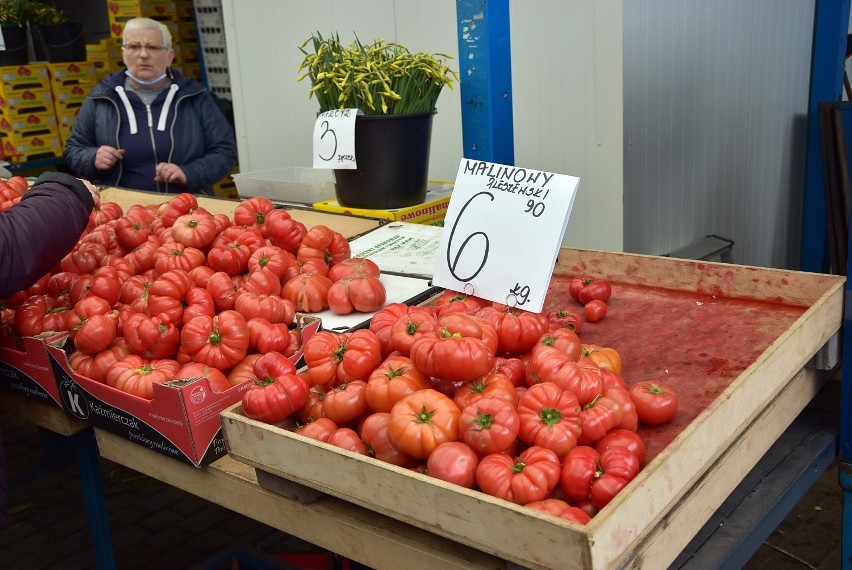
(334, 139)
(503, 231)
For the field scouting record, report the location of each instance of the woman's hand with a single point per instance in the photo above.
(106, 157)
(170, 173)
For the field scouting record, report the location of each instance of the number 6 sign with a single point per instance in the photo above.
(503, 230)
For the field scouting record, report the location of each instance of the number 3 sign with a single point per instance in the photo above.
(334, 139)
(503, 230)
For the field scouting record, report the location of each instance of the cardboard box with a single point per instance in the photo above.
(135, 8)
(24, 126)
(71, 73)
(26, 149)
(28, 372)
(432, 212)
(735, 345)
(26, 101)
(20, 77)
(181, 421)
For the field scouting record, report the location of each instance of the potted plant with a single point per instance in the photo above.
(13, 25)
(397, 91)
(58, 39)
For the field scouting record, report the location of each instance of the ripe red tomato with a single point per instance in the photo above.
(151, 337)
(334, 358)
(394, 379)
(561, 509)
(565, 340)
(598, 477)
(346, 402)
(375, 432)
(317, 428)
(517, 330)
(324, 243)
(253, 211)
(220, 341)
(565, 319)
(95, 333)
(656, 403)
(353, 266)
(362, 293)
(454, 462)
(490, 385)
(532, 476)
(620, 437)
(550, 417)
(489, 425)
(309, 292)
(218, 381)
(347, 438)
(597, 418)
(409, 328)
(594, 310)
(271, 399)
(422, 421)
(136, 375)
(585, 289)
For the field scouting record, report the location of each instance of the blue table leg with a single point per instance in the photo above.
(90, 475)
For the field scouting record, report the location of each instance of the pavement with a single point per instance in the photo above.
(155, 525)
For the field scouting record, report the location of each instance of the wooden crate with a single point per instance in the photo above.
(732, 340)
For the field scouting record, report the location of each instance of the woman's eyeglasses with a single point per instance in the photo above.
(136, 48)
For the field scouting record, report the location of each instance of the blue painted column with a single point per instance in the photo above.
(485, 67)
(831, 26)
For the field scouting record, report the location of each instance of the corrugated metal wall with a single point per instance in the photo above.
(715, 108)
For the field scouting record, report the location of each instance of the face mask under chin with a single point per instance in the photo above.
(142, 82)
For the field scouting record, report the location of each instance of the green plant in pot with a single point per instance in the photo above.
(397, 91)
(13, 21)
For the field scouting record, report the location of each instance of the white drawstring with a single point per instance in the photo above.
(161, 125)
(131, 116)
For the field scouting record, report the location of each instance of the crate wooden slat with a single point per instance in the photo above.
(768, 386)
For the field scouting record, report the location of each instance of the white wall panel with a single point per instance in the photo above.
(715, 104)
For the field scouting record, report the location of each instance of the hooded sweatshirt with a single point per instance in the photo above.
(183, 125)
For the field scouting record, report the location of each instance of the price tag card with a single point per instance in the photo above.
(503, 231)
(334, 139)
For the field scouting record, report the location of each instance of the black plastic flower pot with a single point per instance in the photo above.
(16, 46)
(392, 152)
(61, 43)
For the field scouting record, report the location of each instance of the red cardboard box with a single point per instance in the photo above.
(28, 372)
(181, 421)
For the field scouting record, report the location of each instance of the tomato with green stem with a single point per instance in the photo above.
(656, 403)
(532, 476)
(549, 417)
(422, 421)
(489, 425)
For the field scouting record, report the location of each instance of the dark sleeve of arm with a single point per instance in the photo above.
(220, 155)
(41, 229)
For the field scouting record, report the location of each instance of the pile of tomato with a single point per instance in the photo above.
(489, 397)
(172, 291)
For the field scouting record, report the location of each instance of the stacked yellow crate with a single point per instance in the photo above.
(187, 58)
(98, 55)
(70, 83)
(28, 126)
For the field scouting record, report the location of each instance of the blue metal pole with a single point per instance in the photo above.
(90, 475)
(831, 26)
(486, 80)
